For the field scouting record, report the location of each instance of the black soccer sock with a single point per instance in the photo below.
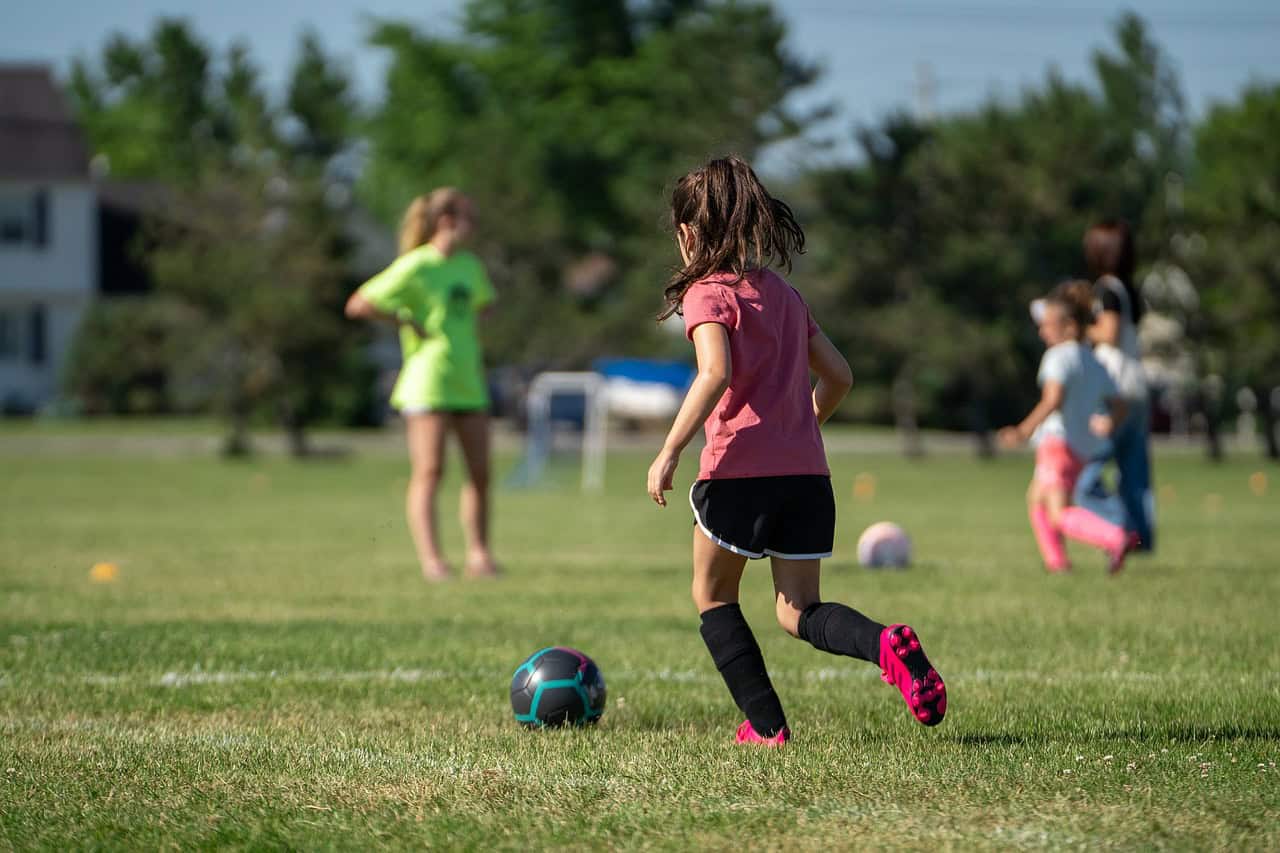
(737, 655)
(840, 630)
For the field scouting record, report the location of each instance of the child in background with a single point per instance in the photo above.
(763, 487)
(432, 293)
(1078, 410)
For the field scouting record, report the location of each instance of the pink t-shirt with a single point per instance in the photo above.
(764, 425)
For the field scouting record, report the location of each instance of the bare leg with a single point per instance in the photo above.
(716, 573)
(473, 503)
(426, 435)
(795, 585)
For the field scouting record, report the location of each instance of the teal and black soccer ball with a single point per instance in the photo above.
(557, 686)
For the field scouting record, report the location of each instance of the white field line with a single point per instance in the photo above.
(199, 677)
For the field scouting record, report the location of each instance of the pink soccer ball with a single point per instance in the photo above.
(884, 545)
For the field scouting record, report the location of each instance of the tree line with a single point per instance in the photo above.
(567, 122)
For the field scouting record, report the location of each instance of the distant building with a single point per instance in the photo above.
(49, 265)
(68, 238)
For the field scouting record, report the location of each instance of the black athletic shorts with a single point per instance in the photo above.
(789, 517)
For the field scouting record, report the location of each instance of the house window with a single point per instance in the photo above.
(9, 344)
(24, 217)
(38, 334)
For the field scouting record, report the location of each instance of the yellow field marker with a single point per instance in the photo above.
(864, 487)
(104, 572)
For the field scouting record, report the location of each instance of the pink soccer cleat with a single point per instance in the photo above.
(1115, 558)
(903, 664)
(746, 734)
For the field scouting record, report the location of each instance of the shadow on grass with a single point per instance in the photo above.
(1172, 731)
(1199, 731)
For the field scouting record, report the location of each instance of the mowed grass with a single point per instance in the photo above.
(268, 671)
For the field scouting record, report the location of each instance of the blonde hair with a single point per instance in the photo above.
(423, 216)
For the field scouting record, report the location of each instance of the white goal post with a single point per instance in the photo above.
(595, 423)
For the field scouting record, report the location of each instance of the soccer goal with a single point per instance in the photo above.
(635, 390)
(591, 387)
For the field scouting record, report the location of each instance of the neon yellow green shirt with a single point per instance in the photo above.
(444, 370)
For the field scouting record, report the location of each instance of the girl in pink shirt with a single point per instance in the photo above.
(763, 486)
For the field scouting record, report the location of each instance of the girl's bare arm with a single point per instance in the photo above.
(715, 368)
(834, 376)
(359, 308)
(1050, 402)
(1106, 329)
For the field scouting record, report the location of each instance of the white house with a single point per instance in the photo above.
(49, 225)
(68, 238)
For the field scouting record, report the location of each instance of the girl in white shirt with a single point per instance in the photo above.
(1077, 413)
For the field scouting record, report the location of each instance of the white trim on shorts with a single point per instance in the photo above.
(729, 546)
(798, 556)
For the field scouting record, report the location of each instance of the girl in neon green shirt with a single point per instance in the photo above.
(433, 293)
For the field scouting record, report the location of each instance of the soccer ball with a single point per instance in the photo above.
(557, 686)
(884, 544)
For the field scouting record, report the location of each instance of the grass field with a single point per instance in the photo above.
(267, 670)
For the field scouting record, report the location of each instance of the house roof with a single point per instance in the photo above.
(39, 138)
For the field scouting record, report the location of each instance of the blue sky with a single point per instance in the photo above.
(875, 53)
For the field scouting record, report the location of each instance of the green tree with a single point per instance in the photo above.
(122, 360)
(567, 124)
(927, 251)
(248, 254)
(156, 107)
(260, 192)
(1234, 201)
(320, 106)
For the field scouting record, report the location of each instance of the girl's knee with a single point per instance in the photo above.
(710, 595)
(426, 476)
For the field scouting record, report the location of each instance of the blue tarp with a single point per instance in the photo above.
(677, 374)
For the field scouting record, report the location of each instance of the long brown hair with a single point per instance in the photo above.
(736, 225)
(1109, 250)
(1075, 298)
(423, 216)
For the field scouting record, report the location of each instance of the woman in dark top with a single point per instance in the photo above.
(1109, 255)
